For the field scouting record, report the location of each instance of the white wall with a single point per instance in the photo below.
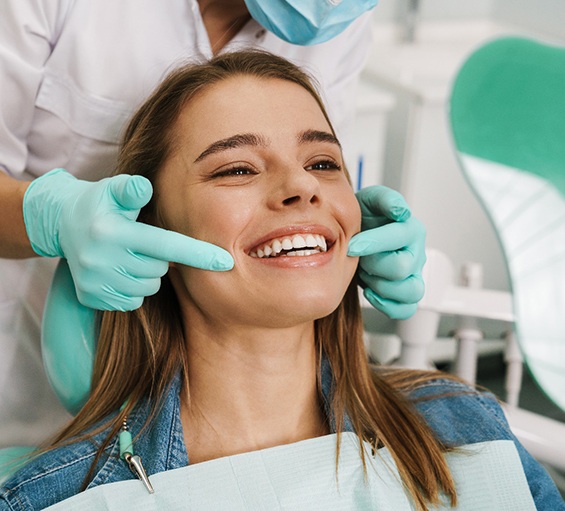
(393, 10)
(455, 9)
(546, 17)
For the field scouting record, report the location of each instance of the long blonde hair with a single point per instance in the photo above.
(140, 352)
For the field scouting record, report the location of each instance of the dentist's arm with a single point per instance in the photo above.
(392, 250)
(14, 243)
(115, 261)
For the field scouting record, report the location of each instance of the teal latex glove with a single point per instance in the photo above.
(114, 260)
(392, 250)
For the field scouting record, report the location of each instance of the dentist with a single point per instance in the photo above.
(71, 75)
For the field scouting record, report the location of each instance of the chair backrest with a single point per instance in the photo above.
(507, 113)
(68, 341)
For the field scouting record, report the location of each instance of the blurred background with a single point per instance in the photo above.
(402, 133)
(403, 140)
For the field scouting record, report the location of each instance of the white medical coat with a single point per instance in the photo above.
(71, 74)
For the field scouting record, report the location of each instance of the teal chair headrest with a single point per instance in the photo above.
(68, 341)
(507, 106)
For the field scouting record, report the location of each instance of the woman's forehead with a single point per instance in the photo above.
(244, 103)
(244, 92)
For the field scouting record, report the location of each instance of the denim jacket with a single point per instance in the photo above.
(457, 414)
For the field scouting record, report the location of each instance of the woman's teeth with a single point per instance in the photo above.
(297, 245)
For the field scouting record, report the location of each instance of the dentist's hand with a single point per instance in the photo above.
(392, 250)
(115, 261)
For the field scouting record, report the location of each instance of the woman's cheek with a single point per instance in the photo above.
(351, 214)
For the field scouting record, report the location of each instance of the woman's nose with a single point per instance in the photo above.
(296, 187)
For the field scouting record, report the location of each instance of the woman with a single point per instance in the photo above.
(241, 153)
(72, 74)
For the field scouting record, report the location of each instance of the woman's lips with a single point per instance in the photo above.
(297, 245)
(293, 241)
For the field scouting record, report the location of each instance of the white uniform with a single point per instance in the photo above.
(71, 74)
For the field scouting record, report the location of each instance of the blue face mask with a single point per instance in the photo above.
(307, 22)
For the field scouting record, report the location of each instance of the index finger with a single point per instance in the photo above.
(387, 238)
(174, 247)
(382, 201)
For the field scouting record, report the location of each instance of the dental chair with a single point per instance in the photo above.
(507, 117)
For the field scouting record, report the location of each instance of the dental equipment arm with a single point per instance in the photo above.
(392, 250)
(115, 261)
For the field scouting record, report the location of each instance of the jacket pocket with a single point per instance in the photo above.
(85, 114)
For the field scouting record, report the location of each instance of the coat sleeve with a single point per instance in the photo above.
(28, 32)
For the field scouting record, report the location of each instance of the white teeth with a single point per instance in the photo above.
(287, 244)
(313, 243)
(298, 242)
(302, 253)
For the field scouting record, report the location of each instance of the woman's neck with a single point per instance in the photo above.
(250, 389)
(223, 19)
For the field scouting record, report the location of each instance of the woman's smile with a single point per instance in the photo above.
(294, 246)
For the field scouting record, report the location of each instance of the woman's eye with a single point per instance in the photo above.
(324, 165)
(235, 171)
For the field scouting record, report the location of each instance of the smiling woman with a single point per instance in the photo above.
(249, 174)
(241, 153)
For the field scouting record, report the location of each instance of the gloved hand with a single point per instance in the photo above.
(114, 260)
(392, 250)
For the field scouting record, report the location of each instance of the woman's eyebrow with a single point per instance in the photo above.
(242, 139)
(318, 136)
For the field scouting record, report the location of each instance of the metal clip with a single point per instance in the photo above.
(134, 462)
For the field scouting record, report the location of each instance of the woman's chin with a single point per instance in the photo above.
(300, 310)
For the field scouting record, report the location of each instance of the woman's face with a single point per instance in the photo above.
(256, 170)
